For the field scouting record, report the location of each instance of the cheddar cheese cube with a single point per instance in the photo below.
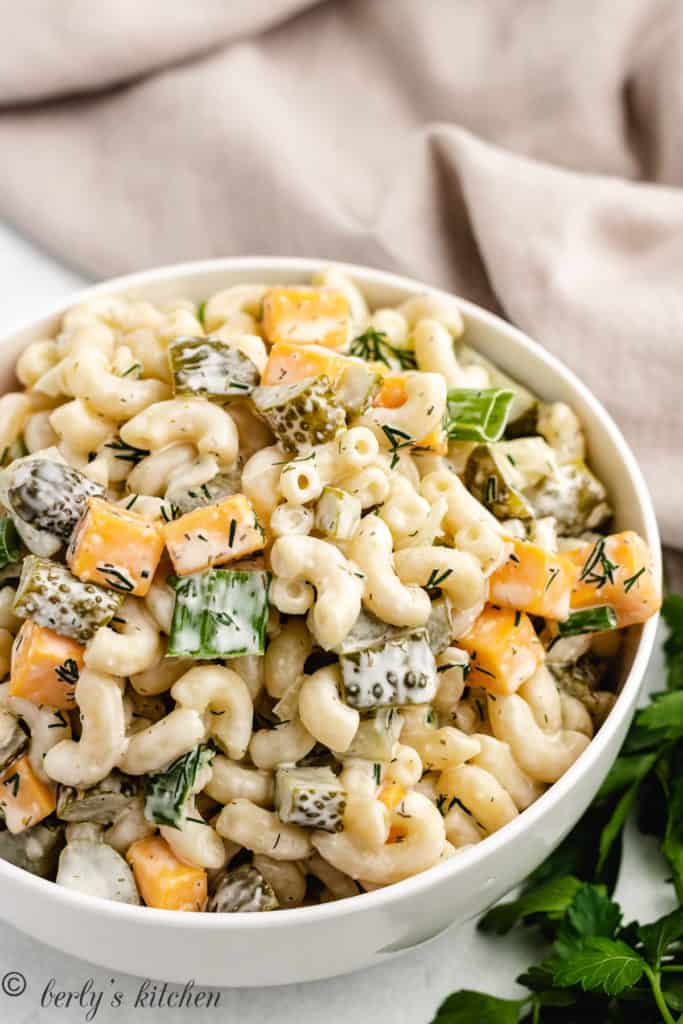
(213, 535)
(534, 580)
(116, 548)
(165, 881)
(617, 571)
(307, 316)
(289, 362)
(24, 798)
(391, 794)
(503, 648)
(397, 833)
(392, 395)
(45, 667)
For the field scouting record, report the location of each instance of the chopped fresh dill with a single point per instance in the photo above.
(397, 439)
(127, 452)
(435, 580)
(552, 576)
(598, 560)
(375, 347)
(632, 580)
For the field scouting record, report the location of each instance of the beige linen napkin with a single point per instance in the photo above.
(524, 153)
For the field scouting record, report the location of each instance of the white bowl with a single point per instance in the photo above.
(334, 938)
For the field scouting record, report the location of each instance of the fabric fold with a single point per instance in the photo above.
(522, 153)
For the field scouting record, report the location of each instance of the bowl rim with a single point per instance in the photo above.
(529, 818)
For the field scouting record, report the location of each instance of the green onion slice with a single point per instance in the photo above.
(591, 620)
(473, 415)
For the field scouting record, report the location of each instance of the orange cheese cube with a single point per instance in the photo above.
(213, 535)
(397, 834)
(164, 881)
(115, 548)
(289, 363)
(617, 571)
(45, 667)
(503, 648)
(307, 316)
(392, 395)
(391, 794)
(436, 442)
(24, 798)
(534, 580)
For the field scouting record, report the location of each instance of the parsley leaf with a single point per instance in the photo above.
(672, 613)
(552, 899)
(597, 969)
(600, 963)
(664, 716)
(658, 936)
(672, 844)
(592, 912)
(465, 1006)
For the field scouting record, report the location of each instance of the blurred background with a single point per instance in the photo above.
(526, 154)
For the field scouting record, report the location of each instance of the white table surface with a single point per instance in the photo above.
(405, 991)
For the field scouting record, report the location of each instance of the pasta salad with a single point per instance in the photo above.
(297, 598)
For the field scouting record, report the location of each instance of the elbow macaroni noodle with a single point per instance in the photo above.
(383, 592)
(90, 759)
(377, 546)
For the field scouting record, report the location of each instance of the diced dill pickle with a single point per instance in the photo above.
(439, 625)
(310, 796)
(377, 736)
(48, 496)
(489, 477)
(523, 406)
(211, 368)
(319, 757)
(243, 890)
(301, 414)
(366, 630)
(575, 497)
(99, 804)
(393, 672)
(588, 671)
(221, 613)
(167, 792)
(35, 850)
(583, 680)
(13, 739)
(52, 597)
(10, 545)
(525, 426)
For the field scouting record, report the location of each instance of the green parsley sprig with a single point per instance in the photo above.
(599, 969)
